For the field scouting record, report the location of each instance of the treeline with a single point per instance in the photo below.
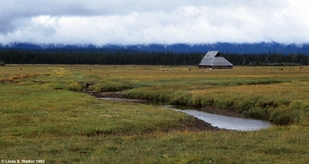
(98, 57)
(113, 57)
(270, 59)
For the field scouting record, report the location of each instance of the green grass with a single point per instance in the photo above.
(249, 90)
(46, 117)
(66, 113)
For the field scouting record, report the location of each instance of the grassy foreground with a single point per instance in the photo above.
(45, 117)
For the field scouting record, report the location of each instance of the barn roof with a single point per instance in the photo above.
(214, 58)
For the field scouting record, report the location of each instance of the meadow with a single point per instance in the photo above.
(46, 116)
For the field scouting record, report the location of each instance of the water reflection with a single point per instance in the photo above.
(226, 122)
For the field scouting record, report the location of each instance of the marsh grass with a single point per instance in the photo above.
(108, 86)
(41, 121)
(249, 90)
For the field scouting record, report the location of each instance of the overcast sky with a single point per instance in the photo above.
(102, 22)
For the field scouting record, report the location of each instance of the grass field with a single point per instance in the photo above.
(45, 116)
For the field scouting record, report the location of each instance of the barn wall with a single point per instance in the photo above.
(214, 67)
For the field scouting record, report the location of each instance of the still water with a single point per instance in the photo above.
(225, 122)
(220, 121)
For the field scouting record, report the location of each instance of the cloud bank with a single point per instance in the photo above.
(146, 22)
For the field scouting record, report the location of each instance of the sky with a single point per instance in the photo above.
(102, 22)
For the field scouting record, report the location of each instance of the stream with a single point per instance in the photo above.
(216, 120)
(225, 122)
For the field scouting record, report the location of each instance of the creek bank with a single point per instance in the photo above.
(205, 119)
(124, 99)
(120, 96)
(115, 96)
(107, 94)
(191, 125)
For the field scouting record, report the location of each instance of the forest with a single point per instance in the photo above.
(114, 57)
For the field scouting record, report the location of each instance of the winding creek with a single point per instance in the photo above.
(220, 121)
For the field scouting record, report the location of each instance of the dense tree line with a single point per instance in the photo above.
(12, 56)
(267, 59)
(17, 56)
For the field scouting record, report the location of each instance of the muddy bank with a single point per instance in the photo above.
(198, 125)
(115, 96)
(107, 94)
(119, 96)
(189, 125)
(123, 99)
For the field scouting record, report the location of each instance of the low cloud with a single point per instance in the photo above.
(145, 22)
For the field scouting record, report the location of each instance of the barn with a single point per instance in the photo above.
(214, 60)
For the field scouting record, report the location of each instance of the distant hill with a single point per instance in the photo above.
(241, 48)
